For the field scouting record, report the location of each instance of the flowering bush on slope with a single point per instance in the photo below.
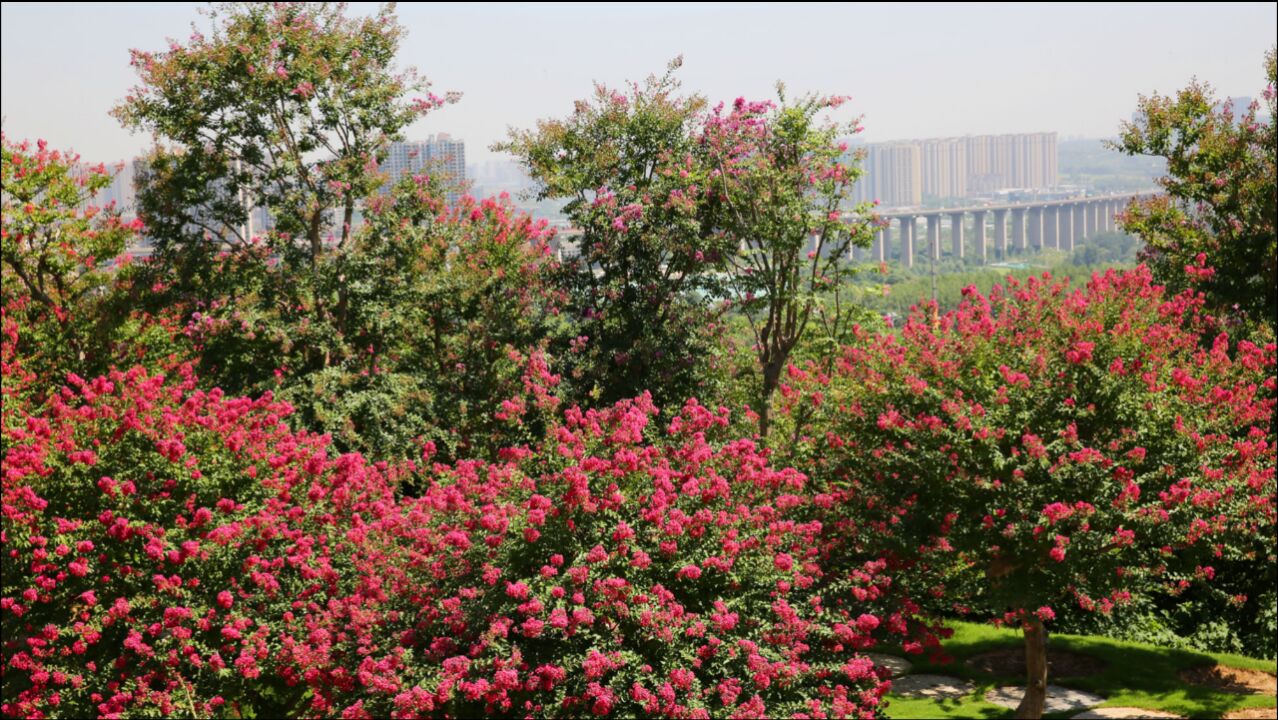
(174, 551)
(606, 575)
(1051, 446)
(144, 546)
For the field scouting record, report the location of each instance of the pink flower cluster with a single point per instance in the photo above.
(166, 548)
(1074, 445)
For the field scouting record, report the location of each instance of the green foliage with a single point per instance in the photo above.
(1106, 248)
(1238, 614)
(435, 318)
(1215, 227)
(639, 296)
(287, 106)
(447, 317)
(778, 180)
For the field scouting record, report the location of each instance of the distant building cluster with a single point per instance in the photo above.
(436, 154)
(905, 173)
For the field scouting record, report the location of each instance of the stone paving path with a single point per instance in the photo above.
(1059, 699)
(947, 687)
(932, 686)
(1133, 713)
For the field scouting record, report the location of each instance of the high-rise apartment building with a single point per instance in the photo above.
(945, 167)
(438, 153)
(902, 173)
(1025, 160)
(893, 175)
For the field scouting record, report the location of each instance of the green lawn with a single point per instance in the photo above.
(1136, 675)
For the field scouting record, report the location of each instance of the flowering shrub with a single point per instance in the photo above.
(172, 551)
(133, 575)
(605, 575)
(57, 250)
(1048, 446)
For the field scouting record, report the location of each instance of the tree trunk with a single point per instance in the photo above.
(1031, 706)
(347, 216)
(313, 234)
(771, 378)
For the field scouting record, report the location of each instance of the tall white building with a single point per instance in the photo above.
(944, 167)
(436, 154)
(893, 175)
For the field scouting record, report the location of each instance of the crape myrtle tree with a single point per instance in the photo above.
(285, 106)
(641, 292)
(779, 181)
(680, 206)
(57, 246)
(417, 326)
(1215, 226)
(1043, 447)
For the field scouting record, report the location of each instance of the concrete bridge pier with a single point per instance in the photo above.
(1018, 229)
(978, 226)
(1036, 228)
(1051, 227)
(1066, 228)
(1000, 233)
(934, 235)
(907, 240)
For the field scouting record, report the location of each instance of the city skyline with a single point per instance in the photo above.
(947, 71)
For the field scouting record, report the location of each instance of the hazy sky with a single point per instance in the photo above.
(912, 70)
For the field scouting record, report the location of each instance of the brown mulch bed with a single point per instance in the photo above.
(1060, 663)
(1228, 679)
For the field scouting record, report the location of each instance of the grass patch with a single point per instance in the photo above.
(1136, 675)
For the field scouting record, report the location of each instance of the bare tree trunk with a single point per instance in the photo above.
(1031, 706)
(771, 378)
(313, 234)
(347, 216)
